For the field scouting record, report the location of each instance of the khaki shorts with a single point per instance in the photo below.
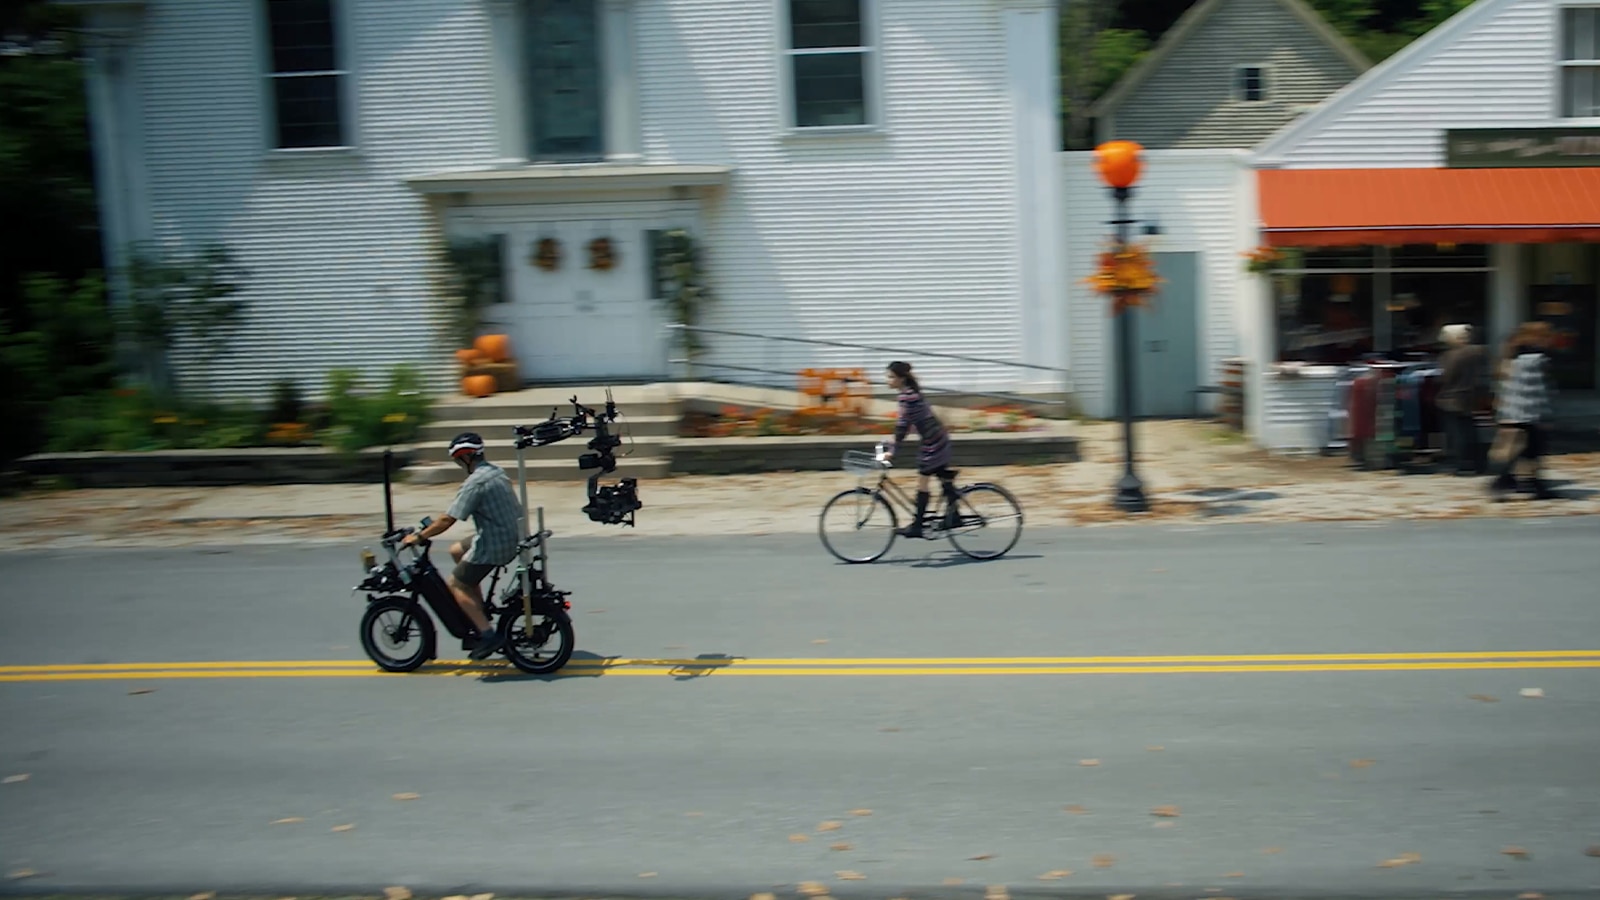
(470, 573)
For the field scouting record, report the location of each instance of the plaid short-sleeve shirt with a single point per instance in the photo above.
(488, 498)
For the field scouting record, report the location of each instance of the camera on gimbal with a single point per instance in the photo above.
(612, 504)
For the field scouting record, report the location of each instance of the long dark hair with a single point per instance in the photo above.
(903, 369)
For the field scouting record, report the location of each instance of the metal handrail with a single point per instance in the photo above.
(901, 351)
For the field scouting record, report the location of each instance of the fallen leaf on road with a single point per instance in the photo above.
(456, 897)
(1234, 875)
(16, 874)
(694, 815)
(1119, 897)
(1361, 763)
(1485, 698)
(141, 691)
(982, 856)
(1592, 851)
(1518, 852)
(595, 612)
(647, 874)
(344, 828)
(763, 897)
(482, 897)
(208, 895)
(1166, 812)
(996, 892)
(1075, 809)
(841, 847)
(407, 796)
(952, 882)
(848, 875)
(1273, 850)
(860, 812)
(1155, 748)
(820, 641)
(1530, 896)
(397, 893)
(799, 838)
(1404, 859)
(15, 779)
(289, 821)
(812, 888)
(1088, 762)
(1104, 860)
(1532, 692)
(1164, 823)
(1055, 874)
(829, 826)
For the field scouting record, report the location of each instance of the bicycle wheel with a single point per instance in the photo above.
(547, 649)
(857, 525)
(397, 634)
(987, 517)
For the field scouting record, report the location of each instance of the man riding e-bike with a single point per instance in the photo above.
(489, 499)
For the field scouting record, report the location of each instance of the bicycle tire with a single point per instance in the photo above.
(877, 504)
(418, 626)
(985, 487)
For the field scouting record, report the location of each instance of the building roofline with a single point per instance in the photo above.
(1441, 36)
(1191, 20)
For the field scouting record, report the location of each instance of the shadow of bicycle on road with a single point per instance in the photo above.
(585, 664)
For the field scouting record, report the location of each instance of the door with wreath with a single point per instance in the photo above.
(582, 303)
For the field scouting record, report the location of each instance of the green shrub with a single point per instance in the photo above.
(356, 420)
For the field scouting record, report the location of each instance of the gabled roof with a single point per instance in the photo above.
(1190, 22)
(1439, 38)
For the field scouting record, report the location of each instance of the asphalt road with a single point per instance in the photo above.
(956, 702)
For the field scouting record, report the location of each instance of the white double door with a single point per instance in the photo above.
(575, 322)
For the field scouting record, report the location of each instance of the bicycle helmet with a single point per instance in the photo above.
(466, 446)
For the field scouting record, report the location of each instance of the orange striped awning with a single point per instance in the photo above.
(1341, 207)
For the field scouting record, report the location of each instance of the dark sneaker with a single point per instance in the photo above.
(487, 645)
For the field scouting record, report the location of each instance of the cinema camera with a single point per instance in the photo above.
(612, 504)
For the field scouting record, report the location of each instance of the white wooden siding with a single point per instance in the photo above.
(334, 240)
(902, 238)
(905, 238)
(1491, 65)
(1200, 198)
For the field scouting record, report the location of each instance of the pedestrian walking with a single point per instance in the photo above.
(1522, 411)
(1464, 379)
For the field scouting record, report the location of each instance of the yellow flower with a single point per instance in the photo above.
(395, 417)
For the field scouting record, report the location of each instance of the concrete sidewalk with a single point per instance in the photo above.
(1192, 471)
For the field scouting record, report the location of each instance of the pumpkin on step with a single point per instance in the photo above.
(469, 357)
(478, 385)
(494, 347)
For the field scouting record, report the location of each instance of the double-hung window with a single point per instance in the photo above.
(566, 80)
(307, 76)
(1580, 62)
(830, 63)
(1250, 83)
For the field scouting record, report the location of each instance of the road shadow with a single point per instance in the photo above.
(1220, 501)
(944, 559)
(585, 664)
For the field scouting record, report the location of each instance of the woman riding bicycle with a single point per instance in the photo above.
(934, 454)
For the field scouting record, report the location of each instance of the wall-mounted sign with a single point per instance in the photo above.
(1499, 148)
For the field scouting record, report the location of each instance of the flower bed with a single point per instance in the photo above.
(734, 421)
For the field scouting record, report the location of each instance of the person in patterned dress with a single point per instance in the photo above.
(934, 454)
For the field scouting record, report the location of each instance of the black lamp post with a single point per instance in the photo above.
(1118, 163)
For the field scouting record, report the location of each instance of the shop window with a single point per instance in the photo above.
(1422, 303)
(1440, 256)
(1580, 62)
(1325, 317)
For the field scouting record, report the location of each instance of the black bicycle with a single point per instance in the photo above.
(864, 517)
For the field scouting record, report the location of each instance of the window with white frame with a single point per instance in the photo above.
(830, 60)
(1580, 62)
(1250, 83)
(308, 79)
(566, 80)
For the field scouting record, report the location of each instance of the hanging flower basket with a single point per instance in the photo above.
(1265, 260)
(547, 254)
(602, 255)
(1128, 275)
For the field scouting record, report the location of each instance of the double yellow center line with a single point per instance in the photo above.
(722, 667)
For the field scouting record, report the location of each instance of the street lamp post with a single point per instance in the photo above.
(1118, 163)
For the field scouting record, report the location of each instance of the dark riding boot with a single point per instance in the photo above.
(914, 530)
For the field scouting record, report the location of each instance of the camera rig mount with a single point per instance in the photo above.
(612, 504)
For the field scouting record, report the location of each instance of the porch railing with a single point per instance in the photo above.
(773, 364)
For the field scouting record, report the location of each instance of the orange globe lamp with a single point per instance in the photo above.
(1118, 163)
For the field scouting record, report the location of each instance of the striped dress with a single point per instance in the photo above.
(915, 413)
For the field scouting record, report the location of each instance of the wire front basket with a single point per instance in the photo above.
(860, 462)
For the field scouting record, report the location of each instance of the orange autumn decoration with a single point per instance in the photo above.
(602, 255)
(1127, 274)
(547, 254)
(1263, 260)
(1119, 163)
(493, 347)
(478, 385)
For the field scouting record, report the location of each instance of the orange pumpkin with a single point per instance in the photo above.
(468, 357)
(497, 347)
(1118, 163)
(477, 385)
